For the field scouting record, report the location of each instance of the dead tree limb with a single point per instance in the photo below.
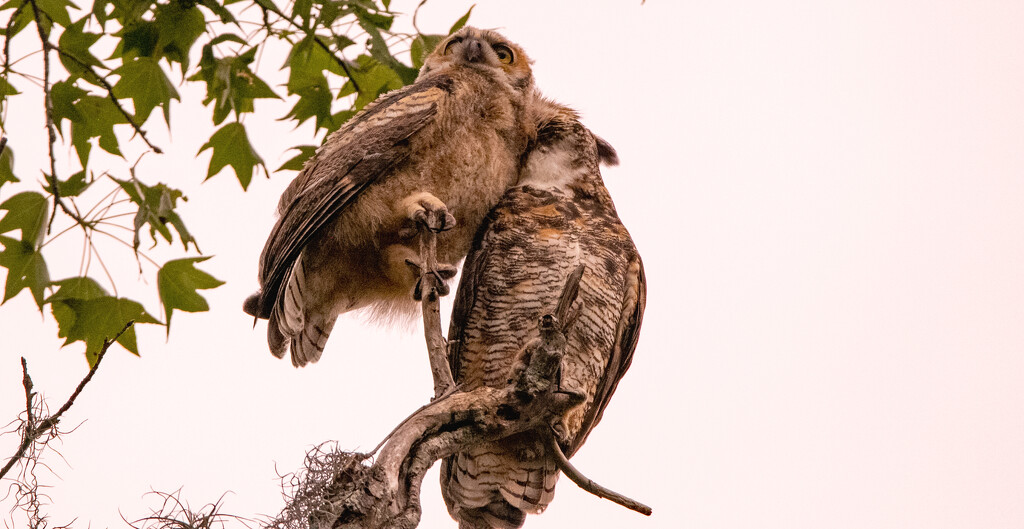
(358, 494)
(588, 484)
(431, 289)
(35, 427)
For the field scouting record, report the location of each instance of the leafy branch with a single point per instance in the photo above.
(87, 99)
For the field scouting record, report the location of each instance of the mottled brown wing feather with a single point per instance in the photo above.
(627, 332)
(465, 297)
(371, 145)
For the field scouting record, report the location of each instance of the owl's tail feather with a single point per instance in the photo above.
(309, 344)
(296, 326)
(497, 515)
(494, 487)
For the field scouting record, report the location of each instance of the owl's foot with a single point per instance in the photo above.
(574, 396)
(442, 273)
(425, 209)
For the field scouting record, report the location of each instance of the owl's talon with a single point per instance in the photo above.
(443, 273)
(560, 432)
(435, 220)
(428, 210)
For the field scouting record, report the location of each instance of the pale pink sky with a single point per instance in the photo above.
(829, 200)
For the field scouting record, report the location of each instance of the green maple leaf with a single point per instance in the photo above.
(95, 318)
(72, 186)
(177, 282)
(76, 43)
(230, 83)
(230, 145)
(64, 95)
(219, 10)
(179, 27)
(372, 24)
(6, 90)
(373, 79)
(314, 100)
(145, 83)
(25, 16)
(7, 166)
(76, 288)
(157, 208)
(102, 116)
(461, 21)
(27, 212)
(421, 46)
(296, 162)
(26, 268)
(56, 10)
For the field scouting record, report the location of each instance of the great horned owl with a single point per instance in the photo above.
(558, 217)
(342, 242)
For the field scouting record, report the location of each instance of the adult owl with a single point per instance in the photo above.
(558, 217)
(345, 235)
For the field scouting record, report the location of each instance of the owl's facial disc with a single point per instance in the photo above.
(482, 50)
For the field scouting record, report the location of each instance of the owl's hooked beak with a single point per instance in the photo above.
(473, 50)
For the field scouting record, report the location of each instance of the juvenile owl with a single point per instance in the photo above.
(346, 236)
(558, 217)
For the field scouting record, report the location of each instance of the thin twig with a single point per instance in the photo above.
(588, 484)
(99, 259)
(92, 371)
(33, 430)
(125, 243)
(414, 14)
(50, 127)
(27, 439)
(7, 36)
(44, 39)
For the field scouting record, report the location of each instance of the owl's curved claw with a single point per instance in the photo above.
(442, 273)
(428, 210)
(436, 220)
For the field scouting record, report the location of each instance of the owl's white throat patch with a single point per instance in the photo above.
(548, 168)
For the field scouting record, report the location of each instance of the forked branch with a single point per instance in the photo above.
(35, 427)
(385, 493)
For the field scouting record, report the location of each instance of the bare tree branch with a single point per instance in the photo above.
(44, 39)
(34, 427)
(343, 490)
(588, 484)
(431, 290)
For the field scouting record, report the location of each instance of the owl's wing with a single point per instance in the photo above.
(368, 147)
(626, 334)
(465, 298)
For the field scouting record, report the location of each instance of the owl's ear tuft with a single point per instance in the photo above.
(605, 152)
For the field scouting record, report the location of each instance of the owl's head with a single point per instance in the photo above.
(483, 50)
(558, 126)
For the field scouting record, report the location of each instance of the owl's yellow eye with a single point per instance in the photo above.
(504, 53)
(451, 43)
